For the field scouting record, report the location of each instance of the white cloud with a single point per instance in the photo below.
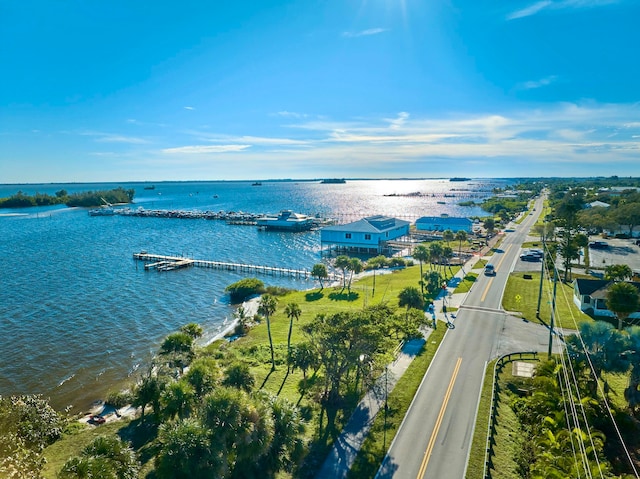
(542, 82)
(530, 10)
(103, 137)
(189, 108)
(200, 149)
(397, 122)
(365, 33)
(541, 5)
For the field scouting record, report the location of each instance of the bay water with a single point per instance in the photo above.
(78, 315)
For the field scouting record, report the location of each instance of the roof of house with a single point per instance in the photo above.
(597, 288)
(451, 220)
(370, 224)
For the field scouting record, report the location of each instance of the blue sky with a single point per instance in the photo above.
(195, 90)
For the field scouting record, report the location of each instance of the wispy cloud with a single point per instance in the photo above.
(102, 137)
(201, 149)
(563, 139)
(365, 33)
(542, 5)
(189, 108)
(530, 10)
(542, 82)
(400, 120)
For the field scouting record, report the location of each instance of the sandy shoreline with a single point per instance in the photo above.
(250, 308)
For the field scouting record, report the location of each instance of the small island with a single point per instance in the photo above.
(86, 199)
(331, 181)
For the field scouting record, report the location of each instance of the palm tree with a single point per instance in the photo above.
(267, 307)
(448, 236)
(623, 299)
(421, 253)
(411, 298)
(436, 252)
(354, 266)
(319, 271)
(176, 399)
(293, 311)
(192, 329)
(461, 236)
(342, 262)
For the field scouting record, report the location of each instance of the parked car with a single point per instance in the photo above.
(638, 242)
(489, 270)
(530, 257)
(598, 245)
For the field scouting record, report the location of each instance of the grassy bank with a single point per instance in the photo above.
(253, 350)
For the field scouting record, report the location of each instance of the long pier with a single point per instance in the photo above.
(170, 263)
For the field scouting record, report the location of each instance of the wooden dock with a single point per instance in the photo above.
(170, 263)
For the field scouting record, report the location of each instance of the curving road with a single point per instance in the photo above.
(435, 437)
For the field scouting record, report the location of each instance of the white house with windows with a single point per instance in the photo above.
(590, 295)
(443, 223)
(368, 235)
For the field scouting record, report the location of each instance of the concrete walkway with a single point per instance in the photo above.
(346, 447)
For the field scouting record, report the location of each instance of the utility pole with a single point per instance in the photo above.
(544, 256)
(553, 309)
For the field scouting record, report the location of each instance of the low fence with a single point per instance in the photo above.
(500, 363)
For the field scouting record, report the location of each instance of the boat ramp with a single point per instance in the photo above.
(170, 263)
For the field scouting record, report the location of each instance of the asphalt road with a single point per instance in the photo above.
(435, 437)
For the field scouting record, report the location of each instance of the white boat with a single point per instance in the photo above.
(286, 220)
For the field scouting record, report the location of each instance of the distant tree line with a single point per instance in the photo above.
(85, 199)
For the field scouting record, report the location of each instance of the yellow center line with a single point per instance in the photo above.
(436, 428)
(486, 290)
(503, 256)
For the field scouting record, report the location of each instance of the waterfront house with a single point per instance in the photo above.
(286, 220)
(443, 223)
(590, 295)
(368, 235)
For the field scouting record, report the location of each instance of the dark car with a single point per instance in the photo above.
(598, 245)
(530, 257)
(489, 270)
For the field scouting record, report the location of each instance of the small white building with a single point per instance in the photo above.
(368, 235)
(443, 223)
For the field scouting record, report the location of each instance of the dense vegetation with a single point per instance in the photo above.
(558, 424)
(86, 199)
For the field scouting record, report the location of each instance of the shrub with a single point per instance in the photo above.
(241, 290)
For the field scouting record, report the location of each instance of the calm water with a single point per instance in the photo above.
(77, 314)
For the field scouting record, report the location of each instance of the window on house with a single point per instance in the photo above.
(347, 235)
(367, 237)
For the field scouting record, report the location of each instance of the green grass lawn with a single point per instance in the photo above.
(521, 295)
(254, 350)
(465, 285)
